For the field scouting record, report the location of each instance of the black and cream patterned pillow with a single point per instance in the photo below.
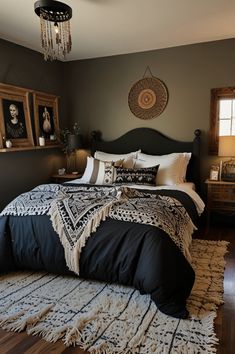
(136, 175)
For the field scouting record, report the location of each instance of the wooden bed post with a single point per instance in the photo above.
(196, 154)
(95, 136)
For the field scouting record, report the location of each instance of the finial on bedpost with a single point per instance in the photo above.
(196, 153)
(197, 133)
(96, 135)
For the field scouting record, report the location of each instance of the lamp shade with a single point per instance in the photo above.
(74, 142)
(226, 145)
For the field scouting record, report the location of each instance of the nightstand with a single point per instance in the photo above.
(64, 178)
(220, 197)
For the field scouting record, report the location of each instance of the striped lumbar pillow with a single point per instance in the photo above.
(98, 172)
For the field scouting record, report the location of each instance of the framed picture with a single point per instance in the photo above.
(215, 172)
(15, 122)
(46, 118)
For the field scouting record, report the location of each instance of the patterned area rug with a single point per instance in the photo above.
(112, 319)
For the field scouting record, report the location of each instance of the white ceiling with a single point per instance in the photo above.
(109, 27)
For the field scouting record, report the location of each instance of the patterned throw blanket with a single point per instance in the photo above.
(77, 211)
(164, 212)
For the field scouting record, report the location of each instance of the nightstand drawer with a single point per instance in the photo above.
(222, 192)
(220, 198)
(223, 205)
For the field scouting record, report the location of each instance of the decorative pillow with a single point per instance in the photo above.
(172, 169)
(105, 156)
(136, 175)
(98, 172)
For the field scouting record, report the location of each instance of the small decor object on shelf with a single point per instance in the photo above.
(46, 117)
(214, 172)
(55, 28)
(8, 144)
(15, 122)
(148, 97)
(41, 141)
(52, 137)
(61, 171)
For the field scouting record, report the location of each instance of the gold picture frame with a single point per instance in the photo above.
(15, 121)
(46, 117)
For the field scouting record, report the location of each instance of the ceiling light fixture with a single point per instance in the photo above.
(55, 38)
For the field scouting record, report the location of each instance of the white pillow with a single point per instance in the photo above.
(185, 161)
(172, 169)
(105, 156)
(98, 172)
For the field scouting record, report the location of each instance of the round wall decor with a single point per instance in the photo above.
(148, 98)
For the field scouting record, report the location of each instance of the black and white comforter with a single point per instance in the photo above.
(142, 243)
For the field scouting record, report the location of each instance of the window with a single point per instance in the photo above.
(222, 116)
(227, 116)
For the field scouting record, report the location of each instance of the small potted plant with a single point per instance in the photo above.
(66, 134)
(71, 141)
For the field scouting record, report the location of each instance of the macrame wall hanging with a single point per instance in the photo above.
(148, 97)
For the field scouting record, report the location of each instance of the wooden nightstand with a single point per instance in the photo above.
(220, 197)
(64, 178)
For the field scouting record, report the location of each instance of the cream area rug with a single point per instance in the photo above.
(113, 319)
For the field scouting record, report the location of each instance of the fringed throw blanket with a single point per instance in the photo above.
(164, 212)
(76, 212)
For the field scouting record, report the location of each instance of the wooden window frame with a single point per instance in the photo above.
(216, 95)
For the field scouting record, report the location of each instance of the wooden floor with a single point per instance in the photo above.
(20, 343)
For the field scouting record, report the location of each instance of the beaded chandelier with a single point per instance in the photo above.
(55, 28)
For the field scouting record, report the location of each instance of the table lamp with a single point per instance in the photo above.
(227, 148)
(74, 142)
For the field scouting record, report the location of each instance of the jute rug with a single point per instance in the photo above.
(111, 319)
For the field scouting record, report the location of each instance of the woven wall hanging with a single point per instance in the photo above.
(148, 97)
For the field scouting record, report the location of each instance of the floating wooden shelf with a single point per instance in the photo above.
(28, 148)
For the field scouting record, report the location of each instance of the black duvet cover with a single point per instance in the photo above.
(138, 255)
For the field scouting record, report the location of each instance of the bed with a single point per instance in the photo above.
(118, 246)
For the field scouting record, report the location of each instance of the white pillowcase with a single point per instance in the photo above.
(98, 172)
(105, 156)
(172, 169)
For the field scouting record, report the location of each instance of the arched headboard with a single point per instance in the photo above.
(152, 142)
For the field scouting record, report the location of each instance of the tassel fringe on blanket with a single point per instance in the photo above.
(76, 212)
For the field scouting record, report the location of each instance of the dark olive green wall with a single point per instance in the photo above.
(20, 171)
(97, 89)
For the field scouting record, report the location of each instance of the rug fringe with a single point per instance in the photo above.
(74, 334)
(18, 322)
(49, 334)
(93, 331)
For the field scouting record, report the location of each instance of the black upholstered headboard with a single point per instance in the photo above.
(152, 142)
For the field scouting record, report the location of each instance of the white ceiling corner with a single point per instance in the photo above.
(110, 27)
